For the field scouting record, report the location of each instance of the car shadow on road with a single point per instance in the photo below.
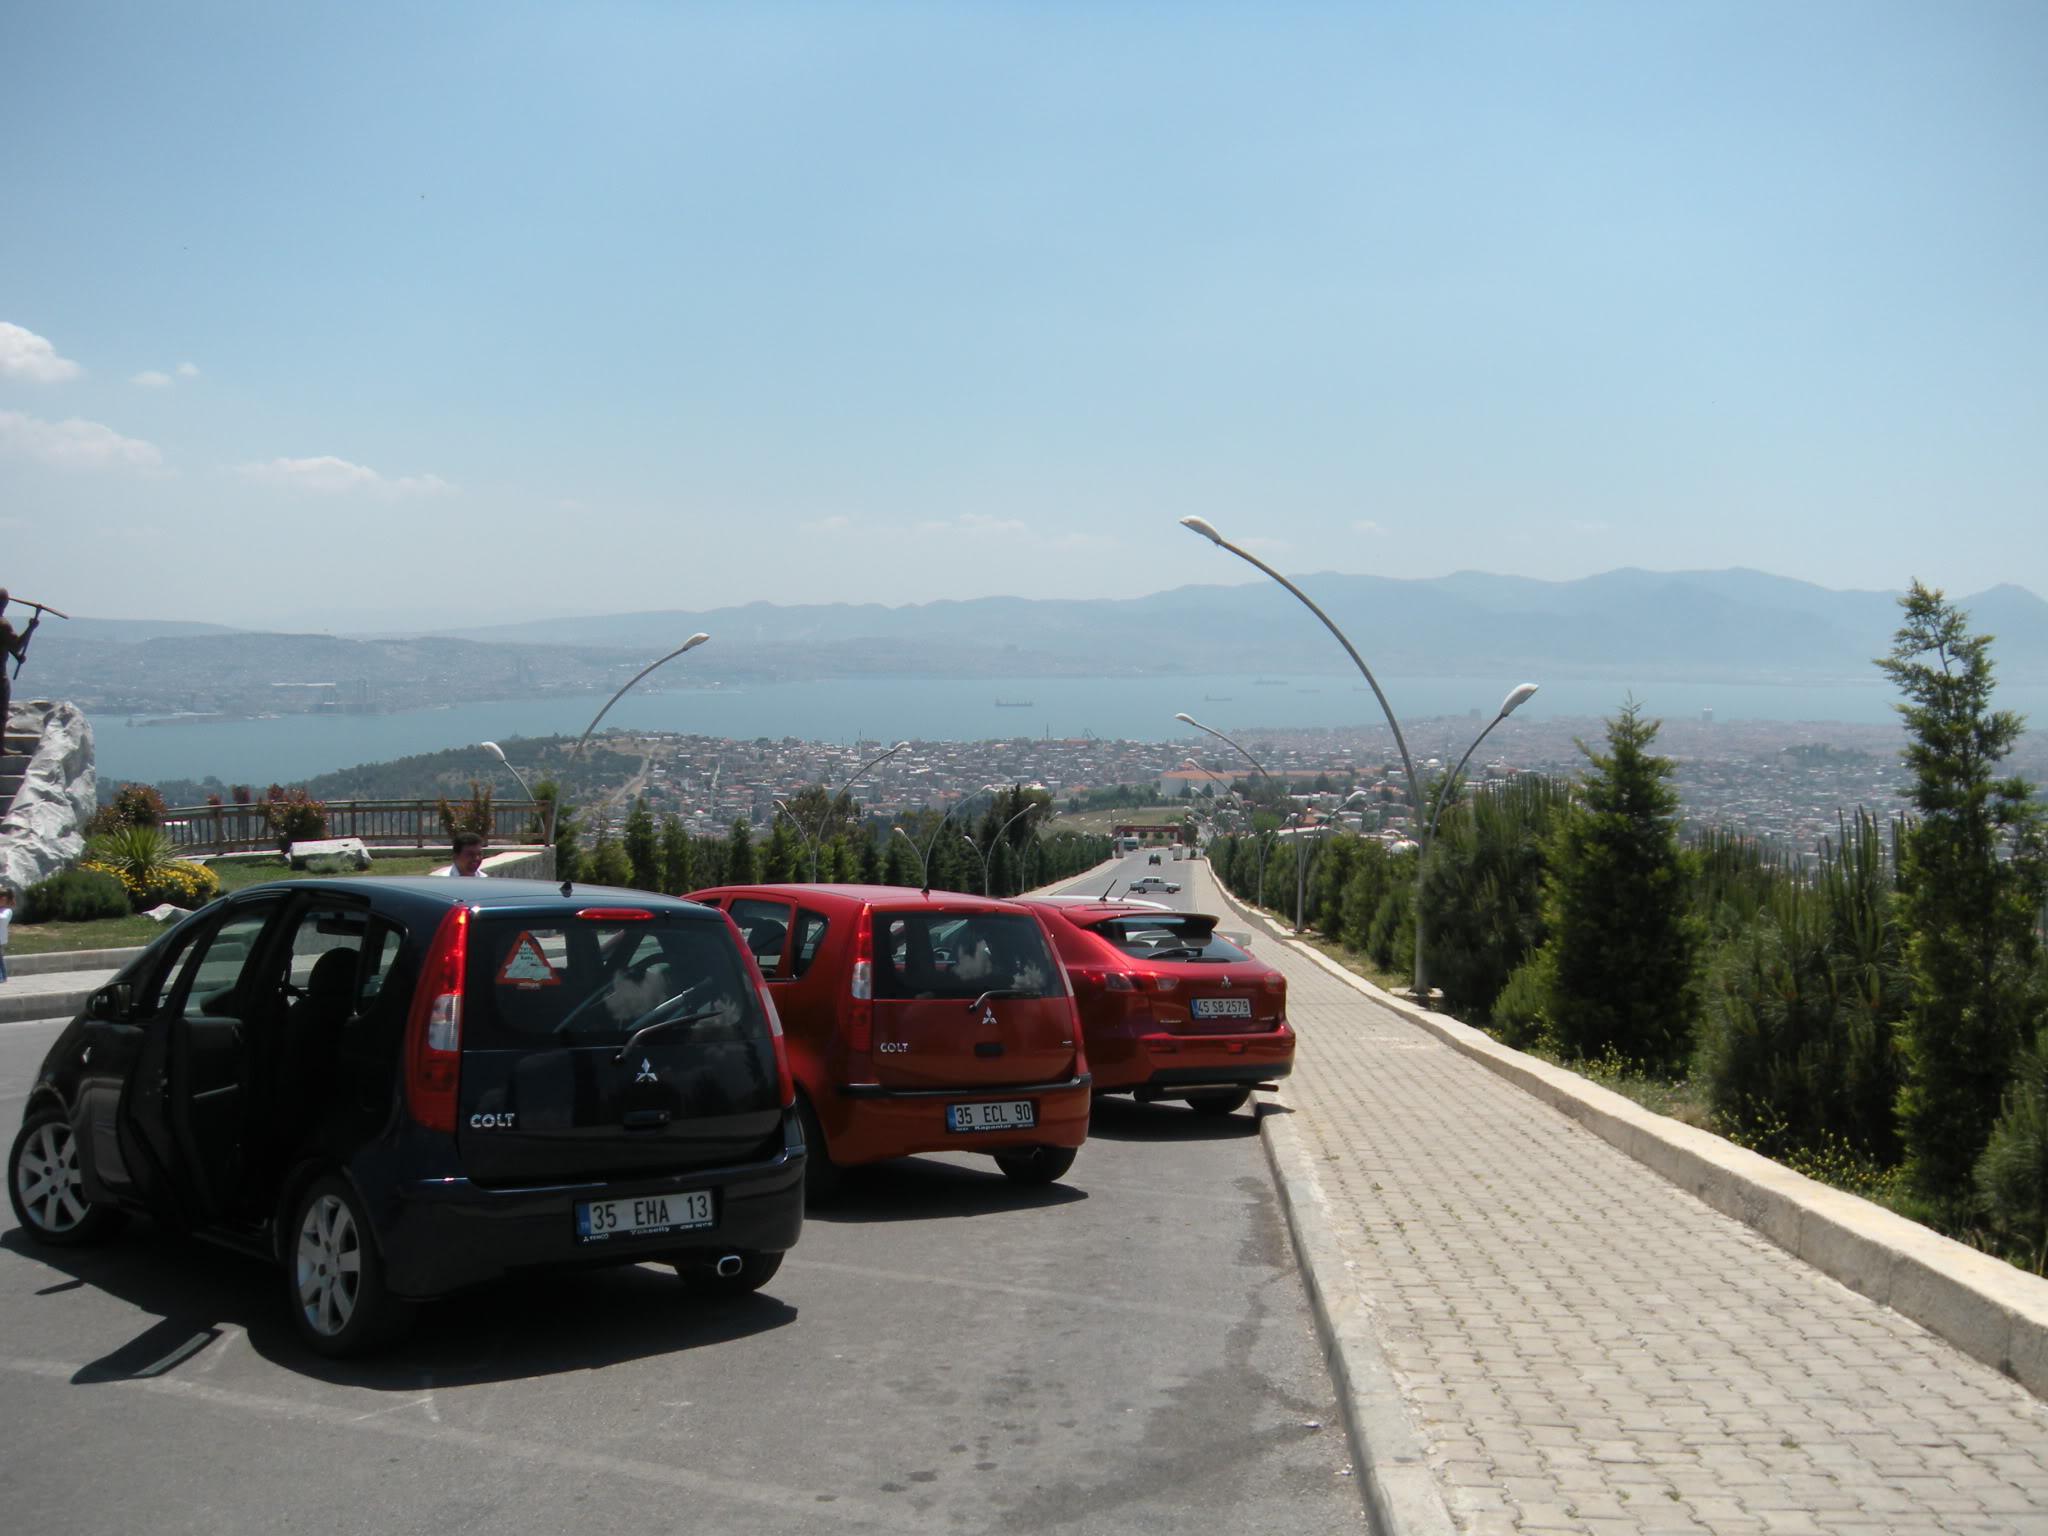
(1121, 1119)
(931, 1189)
(523, 1326)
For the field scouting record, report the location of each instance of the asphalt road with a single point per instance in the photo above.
(1129, 1351)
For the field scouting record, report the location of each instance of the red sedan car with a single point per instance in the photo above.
(1170, 1009)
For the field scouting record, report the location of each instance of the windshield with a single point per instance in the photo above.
(565, 981)
(952, 954)
(1168, 937)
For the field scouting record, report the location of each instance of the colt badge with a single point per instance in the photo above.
(646, 1072)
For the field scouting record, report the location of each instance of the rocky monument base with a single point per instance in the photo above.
(42, 826)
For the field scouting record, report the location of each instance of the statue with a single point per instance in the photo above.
(14, 648)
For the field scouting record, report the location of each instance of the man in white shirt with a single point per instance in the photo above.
(469, 856)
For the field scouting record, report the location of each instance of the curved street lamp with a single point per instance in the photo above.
(688, 645)
(997, 842)
(811, 840)
(499, 753)
(1424, 824)
(1239, 749)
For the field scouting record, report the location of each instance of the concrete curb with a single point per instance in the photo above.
(1400, 1491)
(1982, 1305)
(71, 960)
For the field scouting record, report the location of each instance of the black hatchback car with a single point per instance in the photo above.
(395, 1087)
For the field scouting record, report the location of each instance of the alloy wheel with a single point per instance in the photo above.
(329, 1264)
(46, 1178)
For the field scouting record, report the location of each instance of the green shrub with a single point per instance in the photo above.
(144, 861)
(294, 816)
(76, 896)
(133, 805)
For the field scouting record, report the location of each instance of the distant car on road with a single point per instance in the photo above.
(395, 1087)
(1150, 883)
(1170, 1009)
(1152, 858)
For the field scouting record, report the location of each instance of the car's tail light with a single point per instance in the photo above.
(1110, 981)
(616, 914)
(1165, 983)
(433, 1029)
(1275, 982)
(785, 1082)
(860, 1003)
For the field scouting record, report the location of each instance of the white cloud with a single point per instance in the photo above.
(73, 444)
(1367, 525)
(187, 370)
(833, 524)
(25, 355)
(149, 378)
(329, 476)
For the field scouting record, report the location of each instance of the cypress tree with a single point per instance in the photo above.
(739, 856)
(1973, 872)
(1619, 959)
(678, 856)
(643, 850)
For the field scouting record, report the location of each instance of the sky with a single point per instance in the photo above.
(379, 315)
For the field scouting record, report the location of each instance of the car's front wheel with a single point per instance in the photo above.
(47, 1190)
(1035, 1165)
(335, 1275)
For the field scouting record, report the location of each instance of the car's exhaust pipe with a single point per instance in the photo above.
(728, 1266)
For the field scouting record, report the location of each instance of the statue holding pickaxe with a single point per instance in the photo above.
(14, 647)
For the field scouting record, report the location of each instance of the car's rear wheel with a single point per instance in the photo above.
(755, 1270)
(336, 1276)
(1219, 1101)
(1035, 1165)
(823, 1178)
(47, 1190)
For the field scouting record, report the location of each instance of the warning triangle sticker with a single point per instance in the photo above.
(526, 965)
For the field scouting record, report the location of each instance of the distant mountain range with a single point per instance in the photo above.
(1733, 625)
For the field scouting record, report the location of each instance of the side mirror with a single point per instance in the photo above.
(111, 1004)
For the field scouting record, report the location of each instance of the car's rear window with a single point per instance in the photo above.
(569, 981)
(1168, 937)
(955, 954)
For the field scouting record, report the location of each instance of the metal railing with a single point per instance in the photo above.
(379, 823)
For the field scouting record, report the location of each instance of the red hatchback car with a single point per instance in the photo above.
(1170, 1009)
(918, 1021)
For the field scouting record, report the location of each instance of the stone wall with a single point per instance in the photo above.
(44, 830)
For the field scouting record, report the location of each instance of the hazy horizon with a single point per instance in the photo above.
(515, 308)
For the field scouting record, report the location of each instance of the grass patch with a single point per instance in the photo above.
(235, 874)
(100, 933)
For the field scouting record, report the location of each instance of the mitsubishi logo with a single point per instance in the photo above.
(1226, 981)
(988, 1015)
(646, 1072)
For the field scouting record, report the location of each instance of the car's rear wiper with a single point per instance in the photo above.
(998, 992)
(660, 1024)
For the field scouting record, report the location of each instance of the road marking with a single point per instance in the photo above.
(1067, 1299)
(844, 1507)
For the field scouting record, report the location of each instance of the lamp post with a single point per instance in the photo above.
(499, 753)
(1235, 747)
(688, 645)
(996, 842)
(1519, 695)
(811, 841)
(1424, 824)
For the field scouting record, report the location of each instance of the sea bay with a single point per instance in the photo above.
(1140, 708)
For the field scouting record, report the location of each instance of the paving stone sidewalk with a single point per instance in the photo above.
(1581, 1346)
